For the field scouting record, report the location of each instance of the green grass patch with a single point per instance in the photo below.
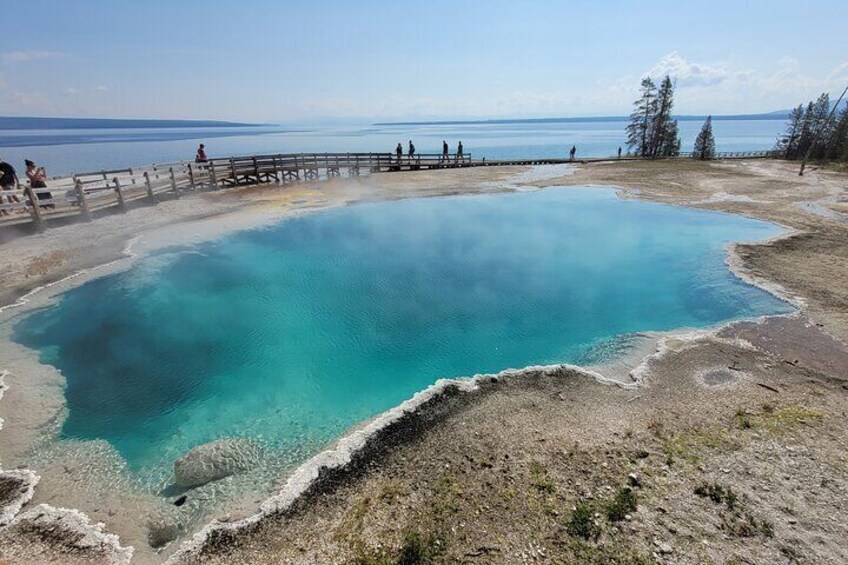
(582, 524)
(588, 553)
(415, 550)
(744, 525)
(718, 494)
(540, 479)
(624, 503)
(447, 496)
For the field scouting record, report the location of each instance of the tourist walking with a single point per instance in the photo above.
(201, 154)
(445, 150)
(38, 179)
(573, 151)
(399, 152)
(411, 150)
(8, 181)
(459, 156)
(619, 152)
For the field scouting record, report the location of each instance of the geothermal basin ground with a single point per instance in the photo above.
(735, 410)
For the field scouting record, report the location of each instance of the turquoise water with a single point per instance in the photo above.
(293, 333)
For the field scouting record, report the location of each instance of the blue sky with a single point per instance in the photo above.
(279, 61)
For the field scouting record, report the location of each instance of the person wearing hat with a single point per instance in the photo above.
(8, 181)
(38, 179)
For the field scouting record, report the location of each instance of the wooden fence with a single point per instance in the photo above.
(84, 194)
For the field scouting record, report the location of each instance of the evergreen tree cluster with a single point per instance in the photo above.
(818, 130)
(652, 133)
(705, 142)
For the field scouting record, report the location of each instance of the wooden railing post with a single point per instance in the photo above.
(149, 186)
(174, 182)
(212, 176)
(86, 213)
(121, 203)
(278, 172)
(36, 209)
(191, 177)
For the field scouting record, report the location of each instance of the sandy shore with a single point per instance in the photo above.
(755, 407)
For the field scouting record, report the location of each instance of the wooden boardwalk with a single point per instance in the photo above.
(85, 194)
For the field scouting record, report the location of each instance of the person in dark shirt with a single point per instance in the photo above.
(38, 180)
(573, 151)
(459, 156)
(8, 181)
(399, 152)
(201, 154)
(444, 150)
(411, 150)
(619, 152)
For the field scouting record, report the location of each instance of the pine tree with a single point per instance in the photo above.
(838, 146)
(822, 126)
(705, 142)
(641, 119)
(788, 144)
(664, 140)
(819, 131)
(805, 138)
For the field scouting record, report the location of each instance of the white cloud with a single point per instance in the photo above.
(720, 88)
(101, 88)
(688, 73)
(71, 91)
(26, 56)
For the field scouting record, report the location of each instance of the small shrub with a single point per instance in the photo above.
(743, 422)
(367, 556)
(581, 524)
(744, 525)
(718, 494)
(541, 481)
(416, 550)
(624, 503)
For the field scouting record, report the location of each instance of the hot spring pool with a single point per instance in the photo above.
(291, 334)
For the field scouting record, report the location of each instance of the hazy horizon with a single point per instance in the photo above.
(361, 121)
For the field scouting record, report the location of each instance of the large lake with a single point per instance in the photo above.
(292, 333)
(67, 151)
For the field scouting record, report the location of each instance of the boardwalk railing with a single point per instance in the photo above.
(84, 194)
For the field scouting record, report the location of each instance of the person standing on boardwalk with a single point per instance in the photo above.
(444, 151)
(411, 150)
(8, 181)
(619, 151)
(573, 151)
(201, 154)
(459, 156)
(399, 152)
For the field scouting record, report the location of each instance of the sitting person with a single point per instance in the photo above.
(8, 181)
(38, 179)
(201, 154)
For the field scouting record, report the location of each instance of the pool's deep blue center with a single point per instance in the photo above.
(292, 333)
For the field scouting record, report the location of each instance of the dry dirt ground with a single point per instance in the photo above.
(733, 451)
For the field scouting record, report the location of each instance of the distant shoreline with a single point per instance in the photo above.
(778, 115)
(33, 123)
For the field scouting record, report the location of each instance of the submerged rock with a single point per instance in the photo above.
(214, 460)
